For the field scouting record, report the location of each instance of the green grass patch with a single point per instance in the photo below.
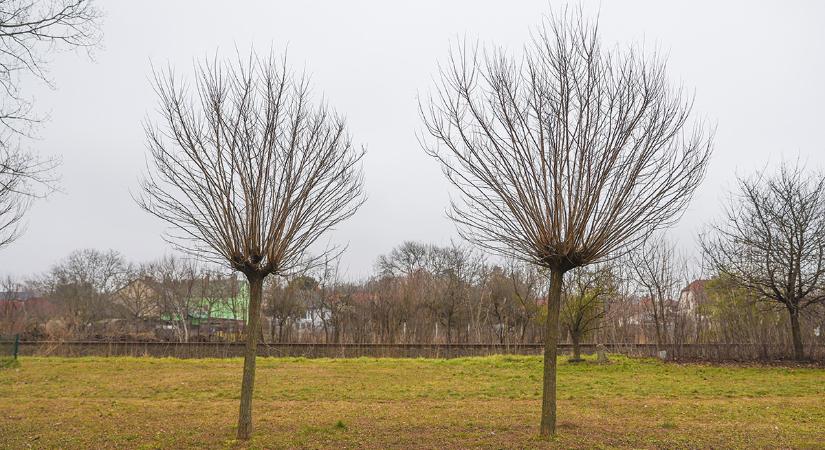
(9, 363)
(406, 403)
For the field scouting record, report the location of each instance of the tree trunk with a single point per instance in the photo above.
(548, 401)
(656, 322)
(798, 351)
(577, 354)
(253, 323)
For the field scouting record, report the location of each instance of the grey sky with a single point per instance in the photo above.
(758, 70)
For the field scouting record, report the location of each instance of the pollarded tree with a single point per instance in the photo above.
(564, 157)
(249, 172)
(771, 241)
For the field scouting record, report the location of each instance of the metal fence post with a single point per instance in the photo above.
(16, 345)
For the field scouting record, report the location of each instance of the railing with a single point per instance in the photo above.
(708, 352)
(236, 349)
(9, 346)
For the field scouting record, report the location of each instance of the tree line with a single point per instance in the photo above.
(418, 293)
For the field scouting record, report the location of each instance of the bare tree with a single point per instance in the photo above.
(175, 280)
(23, 177)
(286, 302)
(771, 241)
(455, 269)
(13, 319)
(250, 173)
(503, 312)
(30, 30)
(734, 317)
(621, 321)
(83, 284)
(584, 302)
(528, 283)
(407, 259)
(658, 270)
(562, 157)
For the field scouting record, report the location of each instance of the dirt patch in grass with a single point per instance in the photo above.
(768, 363)
(490, 402)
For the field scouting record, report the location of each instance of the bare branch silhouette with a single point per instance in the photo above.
(249, 172)
(29, 31)
(771, 241)
(24, 177)
(569, 155)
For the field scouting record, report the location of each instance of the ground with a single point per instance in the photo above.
(406, 403)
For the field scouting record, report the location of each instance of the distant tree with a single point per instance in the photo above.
(331, 304)
(408, 293)
(771, 241)
(83, 283)
(406, 259)
(13, 319)
(440, 279)
(250, 173)
(584, 302)
(659, 272)
(510, 300)
(564, 157)
(30, 30)
(285, 304)
(736, 317)
(175, 280)
(529, 282)
(394, 309)
(456, 269)
(503, 308)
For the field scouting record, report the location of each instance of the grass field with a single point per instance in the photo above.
(406, 403)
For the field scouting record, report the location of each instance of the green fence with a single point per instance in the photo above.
(9, 347)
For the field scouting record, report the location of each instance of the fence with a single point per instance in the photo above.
(707, 352)
(236, 349)
(9, 347)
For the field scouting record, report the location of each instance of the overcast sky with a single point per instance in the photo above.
(758, 70)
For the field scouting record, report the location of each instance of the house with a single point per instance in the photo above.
(692, 296)
(139, 298)
(313, 318)
(210, 306)
(221, 315)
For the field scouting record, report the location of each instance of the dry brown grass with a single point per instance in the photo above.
(489, 402)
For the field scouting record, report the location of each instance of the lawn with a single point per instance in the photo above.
(406, 403)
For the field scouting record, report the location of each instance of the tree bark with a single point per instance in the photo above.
(548, 401)
(798, 350)
(656, 321)
(253, 323)
(577, 354)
